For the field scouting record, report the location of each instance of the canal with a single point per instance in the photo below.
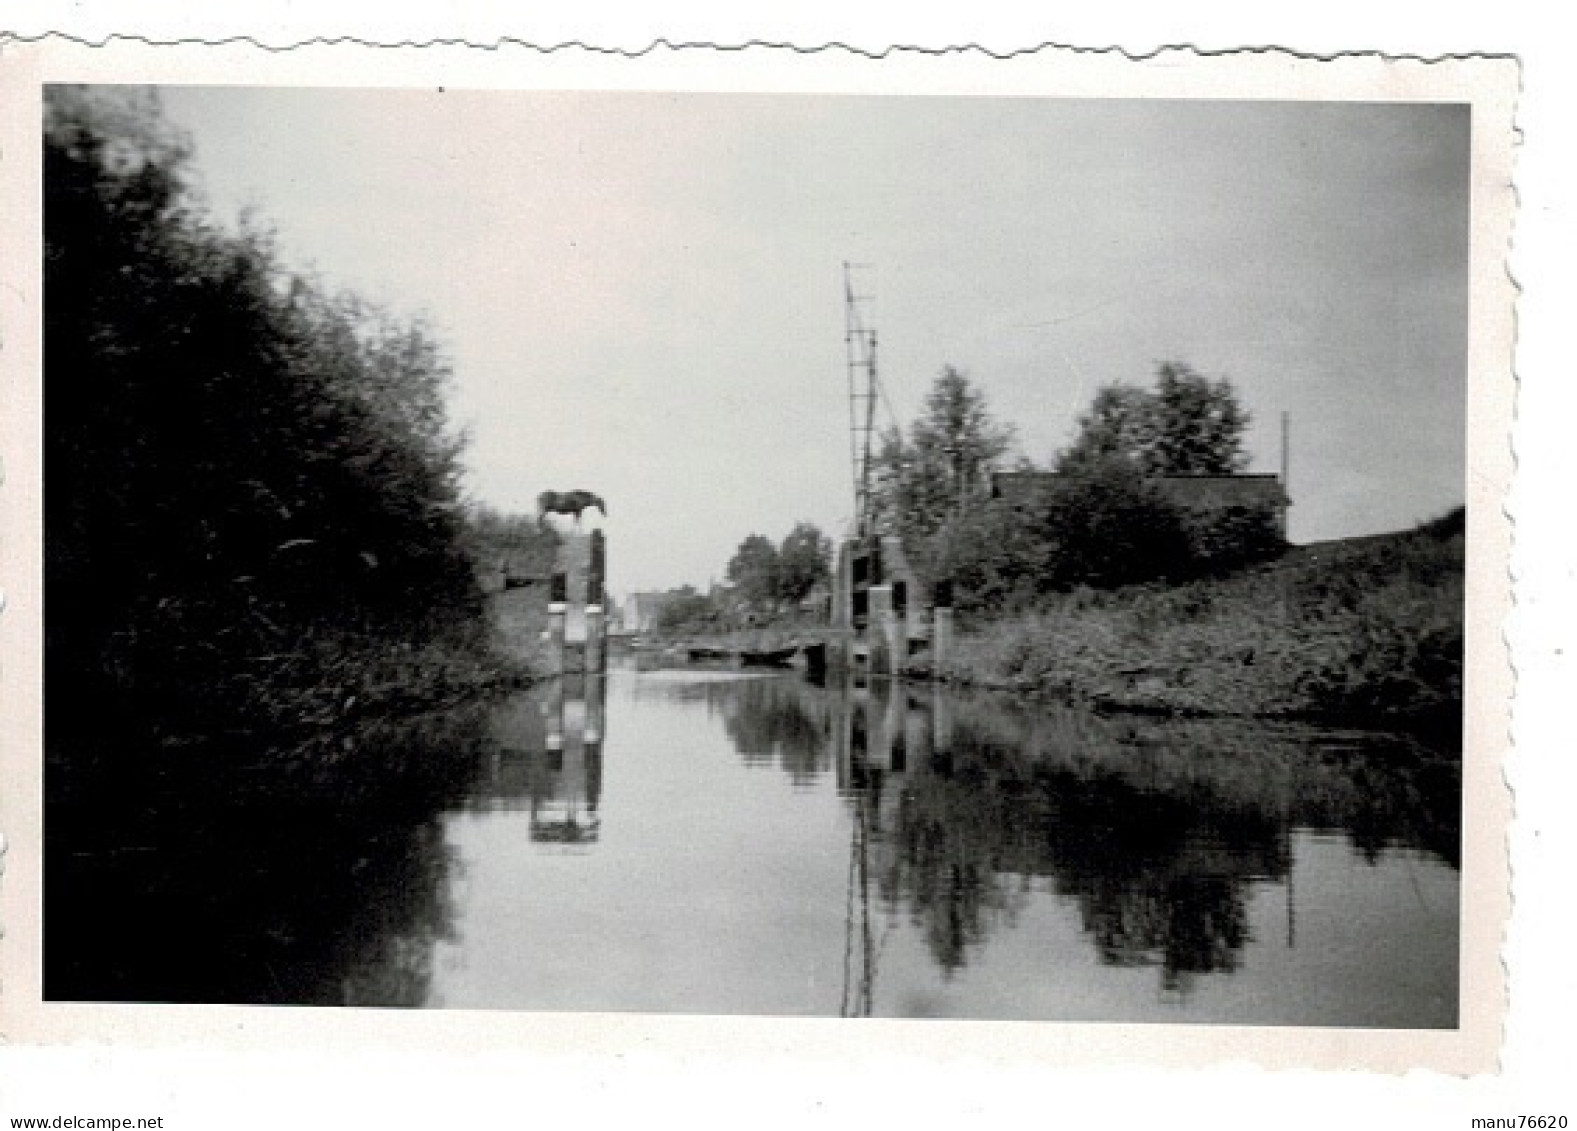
(721, 843)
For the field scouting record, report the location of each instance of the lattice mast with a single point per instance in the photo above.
(860, 339)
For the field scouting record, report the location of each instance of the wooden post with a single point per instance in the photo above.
(941, 628)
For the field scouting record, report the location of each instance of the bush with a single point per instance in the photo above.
(1231, 538)
(237, 460)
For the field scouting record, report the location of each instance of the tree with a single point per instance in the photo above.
(804, 560)
(946, 459)
(753, 570)
(240, 464)
(1188, 425)
(998, 561)
(1199, 425)
(1119, 425)
(685, 611)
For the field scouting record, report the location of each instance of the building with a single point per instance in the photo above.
(641, 610)
(1195, 493)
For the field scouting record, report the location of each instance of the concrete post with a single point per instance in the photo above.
(596, 569)
(558, 621)
(882, 632)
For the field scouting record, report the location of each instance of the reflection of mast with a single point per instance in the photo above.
(1292, 901)
(859, 977)
(862, 785)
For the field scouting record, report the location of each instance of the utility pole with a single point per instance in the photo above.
(860, 340)
(1286, 469)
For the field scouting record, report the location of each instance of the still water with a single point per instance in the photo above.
(715, 844)
(721, 843)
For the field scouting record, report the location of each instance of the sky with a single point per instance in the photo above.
(642, 294)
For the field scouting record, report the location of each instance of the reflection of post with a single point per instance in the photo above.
(841, 710)
(894, 736)
(941, 722)
(879, 753)
(596, 715)
(553, 712)
(917, 732)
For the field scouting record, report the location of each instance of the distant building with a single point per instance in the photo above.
(1196, 493)
(641, 610)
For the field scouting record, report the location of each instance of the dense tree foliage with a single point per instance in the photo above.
(1101, 521)
(509, 544)
(804, 562)
(753, 572)
(767, 584)
(945, 461)
(237, 462)
(1187, 425)
(766, 579)
(687, 612)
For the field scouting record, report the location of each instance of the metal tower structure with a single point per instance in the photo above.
(860, 339)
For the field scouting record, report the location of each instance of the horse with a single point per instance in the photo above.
(568, 502)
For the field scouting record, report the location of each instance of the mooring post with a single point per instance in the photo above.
(596, 620)
(881, 631)
(840, 650)
(558, 614)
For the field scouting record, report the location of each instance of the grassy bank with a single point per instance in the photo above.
(1365, 633)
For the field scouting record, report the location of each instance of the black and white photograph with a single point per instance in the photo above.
(773, 554)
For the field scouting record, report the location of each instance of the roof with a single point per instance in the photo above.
(1192, 492)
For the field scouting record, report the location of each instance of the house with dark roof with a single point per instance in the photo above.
(1195, 493)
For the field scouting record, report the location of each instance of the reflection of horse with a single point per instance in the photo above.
(568, 502)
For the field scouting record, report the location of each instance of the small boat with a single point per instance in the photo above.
(768, 657)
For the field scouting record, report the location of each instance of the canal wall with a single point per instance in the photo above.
(553, 620)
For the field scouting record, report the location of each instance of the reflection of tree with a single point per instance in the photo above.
(1155, 830)
(948, 855)
(1159, 880)
(197, 886)
(777, 720)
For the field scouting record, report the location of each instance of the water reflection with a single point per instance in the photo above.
(546, 759)
(767, 845)
(180, 878)
(1159, 833)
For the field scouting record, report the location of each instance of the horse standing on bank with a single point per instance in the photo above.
(568, 502)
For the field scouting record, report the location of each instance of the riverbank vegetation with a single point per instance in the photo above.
(1367, 633)
(1099, 582)
(254, 531)
(771, 586)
